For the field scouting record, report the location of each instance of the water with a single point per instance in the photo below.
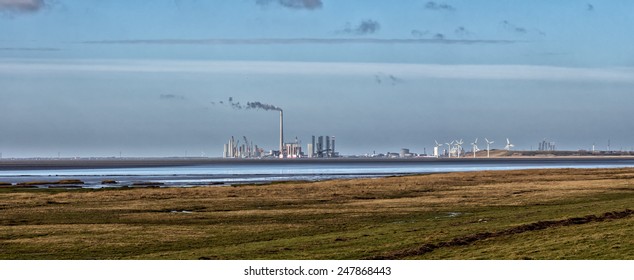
(254, 172)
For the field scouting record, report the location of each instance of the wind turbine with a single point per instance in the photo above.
(488, 145)
(475, 147)
(436, 150)
(459, 146)
(449, 148)
(508, 145)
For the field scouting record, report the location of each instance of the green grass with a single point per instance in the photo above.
(345, 219)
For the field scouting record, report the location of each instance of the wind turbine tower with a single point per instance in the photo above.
(459, 146)
(449, 148)
(488, 146)
(475, 147)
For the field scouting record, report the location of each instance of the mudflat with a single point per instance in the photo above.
(526, 214)
(96, 163)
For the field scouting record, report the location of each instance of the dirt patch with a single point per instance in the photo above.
(466, 240)
(44, 183)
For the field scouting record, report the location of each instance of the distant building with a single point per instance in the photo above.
(310, 150)
(546, 146)
(323, 148)
(404, 153)
(234, 149)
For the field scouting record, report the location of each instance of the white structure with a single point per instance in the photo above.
(508, 145)
(459, 146)
(311, 150)
(437, 149)
(449, 148)
(474, 146)
(488, 145)
(282, 134)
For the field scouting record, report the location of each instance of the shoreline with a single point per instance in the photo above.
(106, 163)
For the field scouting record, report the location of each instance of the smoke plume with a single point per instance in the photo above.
(255, 105)
(259, 105)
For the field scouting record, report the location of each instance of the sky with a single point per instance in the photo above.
(154, 78)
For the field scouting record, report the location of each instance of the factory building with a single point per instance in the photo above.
(324, 147)
(234, 149)
(293, 149)
(436, 151)
(310, 151)
(546, 146)
(405, 153)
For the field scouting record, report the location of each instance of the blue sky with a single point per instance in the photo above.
(95, 78)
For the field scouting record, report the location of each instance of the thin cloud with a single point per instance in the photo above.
(462, 31)
(408, 72)
(292, 41)
(31, 49)
(419, 33)
(21, 6)
(171, 97)
(380, 78)
(294, 4)
(364, 28)
(438, 6)
(513, 28)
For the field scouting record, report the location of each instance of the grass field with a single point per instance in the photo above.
(562, 214)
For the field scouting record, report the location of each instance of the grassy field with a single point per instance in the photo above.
(532, 214)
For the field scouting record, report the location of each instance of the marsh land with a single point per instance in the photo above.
(522, 214)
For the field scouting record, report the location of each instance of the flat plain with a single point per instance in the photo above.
(527, 214)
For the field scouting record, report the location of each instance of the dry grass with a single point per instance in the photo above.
(342, 219)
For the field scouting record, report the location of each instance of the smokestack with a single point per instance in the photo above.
(281, 134)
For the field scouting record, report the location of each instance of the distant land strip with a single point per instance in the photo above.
(470, 239)
(90, 163)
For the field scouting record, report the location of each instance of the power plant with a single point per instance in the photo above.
(233, 149)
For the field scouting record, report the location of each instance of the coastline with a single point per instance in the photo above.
(98, 163)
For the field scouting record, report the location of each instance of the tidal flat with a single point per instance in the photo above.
(522, 214)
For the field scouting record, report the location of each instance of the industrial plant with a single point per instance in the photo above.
(320, 147)
(546, 146)
(324, 147)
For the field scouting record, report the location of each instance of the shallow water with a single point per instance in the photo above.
(241, 173)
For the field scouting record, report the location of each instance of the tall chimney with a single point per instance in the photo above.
(281, 134)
